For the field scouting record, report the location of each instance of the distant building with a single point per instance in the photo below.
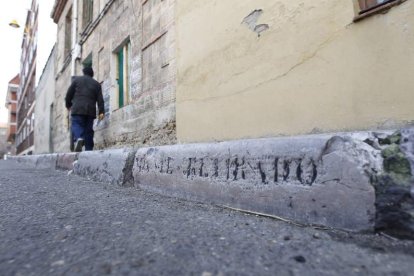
(3, 140)
(26, 94)
(4, 145)
(11, 105)
(38, 27)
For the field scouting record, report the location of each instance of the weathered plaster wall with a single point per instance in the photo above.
(45, 93)
(259, 68)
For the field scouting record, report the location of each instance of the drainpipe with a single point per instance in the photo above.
(75, 45)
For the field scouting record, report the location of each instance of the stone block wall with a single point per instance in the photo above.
(149, 26)
(148, 117)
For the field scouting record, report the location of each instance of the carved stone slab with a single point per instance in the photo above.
(310, 179)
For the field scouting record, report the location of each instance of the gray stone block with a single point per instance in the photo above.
(42, 161)
(46, 161)
(112, 166)
(320, 180)
(28, 161)
(65, 161)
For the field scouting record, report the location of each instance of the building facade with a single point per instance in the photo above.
(171, 72)
(45, 94)
(11, 105)
(26, 95)
(262, 68)
(38, 40)
(131, 47)
(4, 146)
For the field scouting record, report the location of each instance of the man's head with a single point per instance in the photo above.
(88, 71)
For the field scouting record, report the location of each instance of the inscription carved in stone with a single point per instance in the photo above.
(265, 170)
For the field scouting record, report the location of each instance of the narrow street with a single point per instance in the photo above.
(55, 224)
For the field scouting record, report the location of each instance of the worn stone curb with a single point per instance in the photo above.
(60, 161)
(113, 166)
(318, 179)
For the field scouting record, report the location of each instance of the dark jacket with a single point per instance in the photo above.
(82, 96)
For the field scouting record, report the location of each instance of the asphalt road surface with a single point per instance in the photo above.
(55, 224)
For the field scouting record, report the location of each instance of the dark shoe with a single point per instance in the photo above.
(79, 145)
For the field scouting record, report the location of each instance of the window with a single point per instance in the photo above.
(68, 33)
(122, 73)
(367, 5)
(32, 121)
(87, 13)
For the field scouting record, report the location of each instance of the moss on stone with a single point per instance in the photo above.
(394, 203)
(390, 151)
(394, 138)
(396, 163)
(401, 179)
(394, 207)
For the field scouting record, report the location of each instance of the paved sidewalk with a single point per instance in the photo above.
(54, 224)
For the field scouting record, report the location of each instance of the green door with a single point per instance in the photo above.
(121, 77)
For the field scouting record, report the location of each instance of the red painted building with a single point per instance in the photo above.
(11, 105)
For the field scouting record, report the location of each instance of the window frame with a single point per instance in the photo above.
(122, 77)
(87, 13)
(366, 7)
(364, 12)
(68, 33)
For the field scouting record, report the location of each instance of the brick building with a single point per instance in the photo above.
(4, 145)
(131, 46)
(11, 105)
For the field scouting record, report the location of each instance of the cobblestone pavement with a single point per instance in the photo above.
(55, 224)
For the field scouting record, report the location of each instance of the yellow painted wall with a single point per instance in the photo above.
(313, 70)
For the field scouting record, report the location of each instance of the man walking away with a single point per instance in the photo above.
(81, 99)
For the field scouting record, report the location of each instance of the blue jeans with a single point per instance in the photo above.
(82, 127)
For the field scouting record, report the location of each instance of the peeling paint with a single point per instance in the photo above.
(251, 22)
(261, 28)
